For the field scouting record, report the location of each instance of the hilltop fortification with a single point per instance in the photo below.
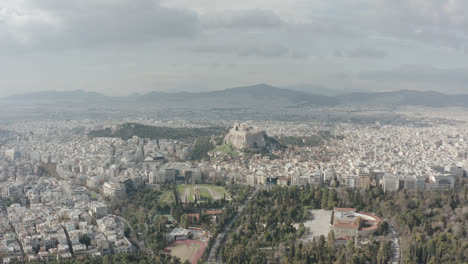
(242, 136)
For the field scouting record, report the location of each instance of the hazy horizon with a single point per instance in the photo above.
(299, 88)
(122, 47)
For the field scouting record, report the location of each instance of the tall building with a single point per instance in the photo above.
(364, 181)
(414, 182)
(316, 178)
(443, 182)
(458, 172)
(391, 182)
(12, 154)
(351, 181)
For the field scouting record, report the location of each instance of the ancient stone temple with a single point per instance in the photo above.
(242, 136)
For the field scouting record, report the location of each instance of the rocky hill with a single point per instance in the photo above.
(241, 136)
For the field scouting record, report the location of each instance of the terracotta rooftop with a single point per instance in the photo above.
(214, 212)
(346, 225)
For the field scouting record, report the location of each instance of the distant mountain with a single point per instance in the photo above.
(260, 96)
(248, 96)
(320, 89)
(264, 92)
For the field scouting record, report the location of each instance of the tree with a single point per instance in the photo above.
(324, 202)
(383, 254)
(331, 243)
(184, 221)
(300, 230)
(383, 228)
(360, 222)
(332, 199)
(201, 148)
(85, 240)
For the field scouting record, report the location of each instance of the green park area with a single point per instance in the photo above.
(227, 149)
(187, 192)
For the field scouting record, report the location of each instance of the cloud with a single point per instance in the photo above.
(370, 53)
(419, 75)
(259, 50)
(429, 21)
(86, 23)
(245, 19)
(367, 53)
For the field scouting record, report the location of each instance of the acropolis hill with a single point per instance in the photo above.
(242, 136)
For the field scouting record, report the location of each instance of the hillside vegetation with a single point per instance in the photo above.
(128, 130)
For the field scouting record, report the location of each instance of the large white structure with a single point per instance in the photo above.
(12, 154)
(414, 182)
(391, 182)
(162, 176)
(316, 178)
(351, 181)
(443, 182)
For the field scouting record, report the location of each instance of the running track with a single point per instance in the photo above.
(188, 242)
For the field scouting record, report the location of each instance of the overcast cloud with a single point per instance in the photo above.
(110, 46)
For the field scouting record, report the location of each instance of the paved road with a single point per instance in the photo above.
(70, 245)
(395, 247)
(214, 257)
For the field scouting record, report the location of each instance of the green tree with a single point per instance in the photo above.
(332, 199)
(85, 240)
(184, 221)
(331, 243)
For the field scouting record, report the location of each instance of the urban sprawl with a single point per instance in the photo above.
(59, 181)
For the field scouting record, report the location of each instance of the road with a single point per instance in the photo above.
(214, 257)
(395, 247)
(70, 246)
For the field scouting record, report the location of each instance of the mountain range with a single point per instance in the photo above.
(260, 95)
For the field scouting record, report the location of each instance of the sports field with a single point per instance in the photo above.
(187, 192)
(191, 250)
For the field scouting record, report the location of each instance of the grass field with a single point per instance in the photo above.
(217, 191)
(185, 190)
(167, 197)
(227, 149)
(206, 191)
(190, 250)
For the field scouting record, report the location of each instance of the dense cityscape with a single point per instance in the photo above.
(66, 186)
(233, 132)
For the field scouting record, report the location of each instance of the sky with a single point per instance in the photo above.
(119, 47)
